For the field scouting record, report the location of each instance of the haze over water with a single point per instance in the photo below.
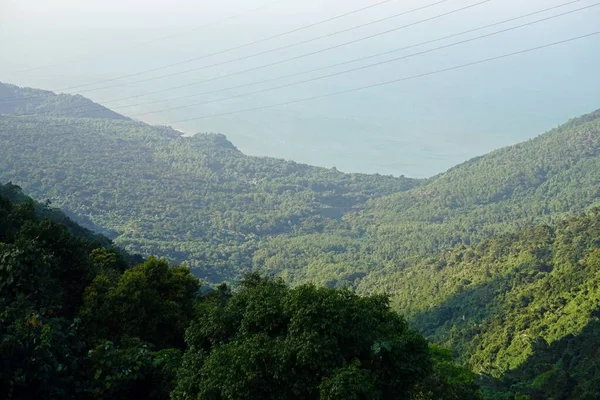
(416, 128)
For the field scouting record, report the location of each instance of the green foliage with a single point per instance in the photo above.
(268, 341)
(350, 382)
(76, 321)
(152, 302)
(190, 199)
(481, 259)
(131, 371)
(509, 305)
(449, 381)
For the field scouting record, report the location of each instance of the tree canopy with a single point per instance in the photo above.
(269, 341)
(78, 320)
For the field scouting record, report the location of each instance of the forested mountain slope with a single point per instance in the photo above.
(194, 199)
(533, 182)
(523, 307)
(14, 194)
(15, 100)
(79, 321)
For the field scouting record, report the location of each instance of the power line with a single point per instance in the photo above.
(243, 45)
(303, 56)
(435, 72)
(350, 61)
(160, 39)
(282, 61)
(231, 49)
(287, 46)
(320, 68)
(370, 65)
(388, 82)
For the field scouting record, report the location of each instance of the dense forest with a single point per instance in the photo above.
(523, 307)
(197, 199)
(81, 319)
(200, 201)
(496, 259)
(535, 182)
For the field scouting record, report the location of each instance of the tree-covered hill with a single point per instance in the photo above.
(15, 100)
(78, 321)
(199, 200)
(533, 182)
(194, 199)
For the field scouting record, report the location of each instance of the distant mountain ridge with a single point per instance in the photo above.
(15, 100)
(197, 199)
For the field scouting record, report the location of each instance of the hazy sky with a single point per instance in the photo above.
(418, 127)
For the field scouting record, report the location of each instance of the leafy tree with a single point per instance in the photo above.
(152, 302)
(130, 371)
(269, 341)
(76, 320)
(482, 259)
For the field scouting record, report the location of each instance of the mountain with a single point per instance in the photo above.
(535, 181)
(194, 199)
(15, 195)
(497, 259)
(521, 307)
(201, 201)
(15, 100)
